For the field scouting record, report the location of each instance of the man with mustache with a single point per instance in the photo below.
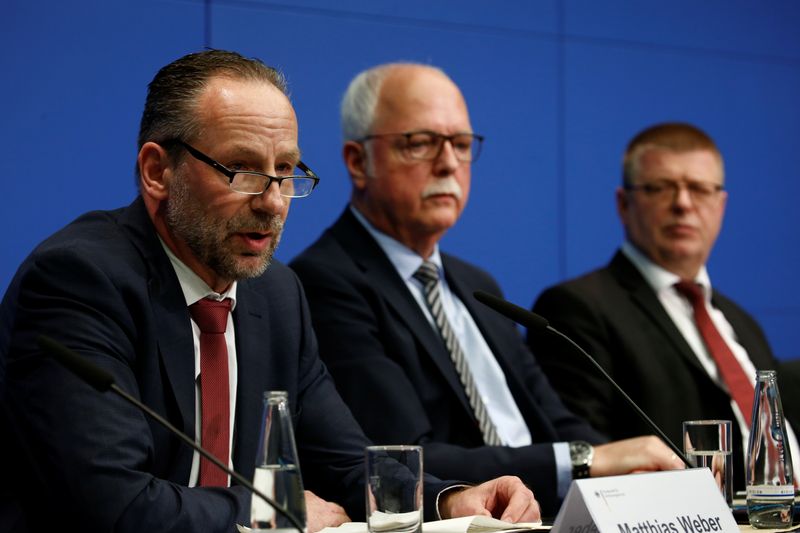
(416, 358)
(635, 319)
(175, 296)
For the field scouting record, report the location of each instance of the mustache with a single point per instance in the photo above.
(255, 223)
(443, 186)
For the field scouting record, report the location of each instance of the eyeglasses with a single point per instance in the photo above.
(250, 182)
(701, 192)
(427, 145)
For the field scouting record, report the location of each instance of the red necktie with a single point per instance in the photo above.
(212, 318)
(740, 386)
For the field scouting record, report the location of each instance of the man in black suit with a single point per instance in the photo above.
(217, 166)
(408, 149)
(634, 321)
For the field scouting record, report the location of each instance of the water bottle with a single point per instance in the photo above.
(769, 474)
(277, 471)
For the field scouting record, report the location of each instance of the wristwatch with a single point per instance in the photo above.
(581, 454)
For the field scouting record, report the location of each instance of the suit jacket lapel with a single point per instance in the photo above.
(251, 320)
(645, 298)
(371, 259)
(540, 426)
(745, 335)
(175, 344)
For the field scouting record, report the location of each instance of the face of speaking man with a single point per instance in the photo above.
(415, 201)
(221, 234)
(676, 227)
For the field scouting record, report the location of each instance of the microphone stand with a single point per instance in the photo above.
(103, 381)
(531, 320)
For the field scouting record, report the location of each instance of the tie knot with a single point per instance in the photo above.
(211, 316)
(427, 273)
(691, 290)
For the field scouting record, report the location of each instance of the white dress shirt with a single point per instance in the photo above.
(681, 312)
(195, 289)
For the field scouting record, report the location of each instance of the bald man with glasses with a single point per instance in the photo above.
(415, 357)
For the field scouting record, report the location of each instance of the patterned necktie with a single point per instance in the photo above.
(428, 275)
(740, 387)
(211, 317)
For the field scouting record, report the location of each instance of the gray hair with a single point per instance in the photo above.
(360, 100)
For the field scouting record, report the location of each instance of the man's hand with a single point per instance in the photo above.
(322, 514)
(639, 454)
(506, 498)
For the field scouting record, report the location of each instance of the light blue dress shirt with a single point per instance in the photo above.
(489, 378)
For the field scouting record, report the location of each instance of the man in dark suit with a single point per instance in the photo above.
(408, 149)
(217, 159)
(633, 319)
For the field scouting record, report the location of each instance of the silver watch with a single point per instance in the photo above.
(581, 454)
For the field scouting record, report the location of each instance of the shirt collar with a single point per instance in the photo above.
(193, 287)
(659, 278)
(405, 260)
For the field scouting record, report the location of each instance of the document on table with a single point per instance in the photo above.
(466, 524)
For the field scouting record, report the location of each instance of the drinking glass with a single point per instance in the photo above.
(394, 489)
(707, 443)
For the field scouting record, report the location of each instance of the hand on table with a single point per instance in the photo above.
(321, 514)
(639, 454)
(506, 498)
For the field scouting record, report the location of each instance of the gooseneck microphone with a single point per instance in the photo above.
(103, 381)
(535, 322)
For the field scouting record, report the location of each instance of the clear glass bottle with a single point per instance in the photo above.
(277, 471)
(768, 468)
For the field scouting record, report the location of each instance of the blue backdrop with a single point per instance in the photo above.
(557, 87)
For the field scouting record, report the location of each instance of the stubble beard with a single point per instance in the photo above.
(208, 236)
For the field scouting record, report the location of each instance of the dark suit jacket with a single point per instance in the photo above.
(393, 370)
(614, 314)
(789, 384)
(104, 287)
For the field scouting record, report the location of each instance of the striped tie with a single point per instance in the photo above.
(428, 275)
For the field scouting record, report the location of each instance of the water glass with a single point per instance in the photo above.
(708, 443)
(394, 489)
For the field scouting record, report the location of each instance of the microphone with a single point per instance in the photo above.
(103, 381)
(536, 322)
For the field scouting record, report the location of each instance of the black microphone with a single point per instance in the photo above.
(533, 321)
(103, 381)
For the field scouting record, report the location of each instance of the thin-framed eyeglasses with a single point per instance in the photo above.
(427, 145)
(701, 192)
(251, 182)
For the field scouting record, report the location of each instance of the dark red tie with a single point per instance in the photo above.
(211, 317)
(740, 386)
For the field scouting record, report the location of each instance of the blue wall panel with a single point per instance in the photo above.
(741, 27)
(522, 15)
(513, 182)
(74, 80)
(749, 107)
(557, 87)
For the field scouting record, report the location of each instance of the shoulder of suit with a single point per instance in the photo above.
(587, 282)
(451, 261)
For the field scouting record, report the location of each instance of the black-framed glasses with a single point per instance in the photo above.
(251, 182)
(701, 192)
(427, 145)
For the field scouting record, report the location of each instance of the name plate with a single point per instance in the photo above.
(678, 501)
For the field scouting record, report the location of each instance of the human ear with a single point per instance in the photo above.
(154, 170)
(355, 159)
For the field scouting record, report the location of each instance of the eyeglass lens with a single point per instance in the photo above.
(429, 145)
(699, 191)
(292, 186)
